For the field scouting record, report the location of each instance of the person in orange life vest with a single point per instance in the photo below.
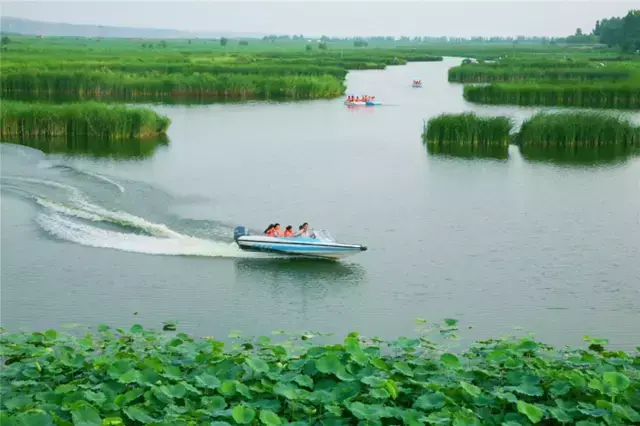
(276, 230)
(269, 230)
(288, 232)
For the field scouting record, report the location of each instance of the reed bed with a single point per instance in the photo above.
(34, 121)
(602, 95)
(133, 87)
(468, 129)
(486, 74)
(185, 68)
(577, 129)
(536, 62)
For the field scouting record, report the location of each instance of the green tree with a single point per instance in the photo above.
(5, 40)
(631, 31)
(224, 41)
(323, 45)
(307, 48)
(623, 33)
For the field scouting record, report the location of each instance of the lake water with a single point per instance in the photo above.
(553, 246)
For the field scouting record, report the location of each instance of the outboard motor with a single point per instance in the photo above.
(240, 231)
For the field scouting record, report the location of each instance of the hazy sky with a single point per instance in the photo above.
(338, 18)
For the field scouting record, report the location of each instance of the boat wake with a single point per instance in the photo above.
(66, 212)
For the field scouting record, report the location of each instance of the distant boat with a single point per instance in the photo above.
(362, 103)
(416, 84)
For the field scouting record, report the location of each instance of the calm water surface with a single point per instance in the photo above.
(553, 246)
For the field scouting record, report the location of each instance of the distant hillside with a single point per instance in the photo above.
(29, 27)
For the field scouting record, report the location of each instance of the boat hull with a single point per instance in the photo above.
(416, 85)
(324, 248)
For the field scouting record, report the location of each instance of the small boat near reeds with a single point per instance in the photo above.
(353, 100)
(416, 83)
(320, 245)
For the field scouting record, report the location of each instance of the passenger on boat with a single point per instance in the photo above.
(269, 230)
(288, 232)
(276, 230)
(303, 231)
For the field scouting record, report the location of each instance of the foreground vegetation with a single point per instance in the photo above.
(468, 129)
(90, 119)
(145, 377)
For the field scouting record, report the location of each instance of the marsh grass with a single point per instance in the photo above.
(467, 129)
(79, 120)
(624, 95)
(96, 85)
(487, 74)
(577, 129)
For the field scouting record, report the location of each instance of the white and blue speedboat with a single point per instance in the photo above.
(322, 245)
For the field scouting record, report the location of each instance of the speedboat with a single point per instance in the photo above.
(320, 245)
(419, 84)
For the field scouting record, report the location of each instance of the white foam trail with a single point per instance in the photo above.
(45, 164)
(129, 219)
(86, 210)
(75, 192)
(57, 219)
(101, 177)
(87, 235)
(68, 211)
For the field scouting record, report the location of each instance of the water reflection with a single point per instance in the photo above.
(307, 272)
(469, 151)
(89, 147)
(579, 156)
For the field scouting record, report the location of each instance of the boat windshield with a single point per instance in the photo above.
(322, 235)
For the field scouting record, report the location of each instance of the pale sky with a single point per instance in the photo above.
(334, 18)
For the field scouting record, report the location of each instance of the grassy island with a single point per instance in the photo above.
(82, 120)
